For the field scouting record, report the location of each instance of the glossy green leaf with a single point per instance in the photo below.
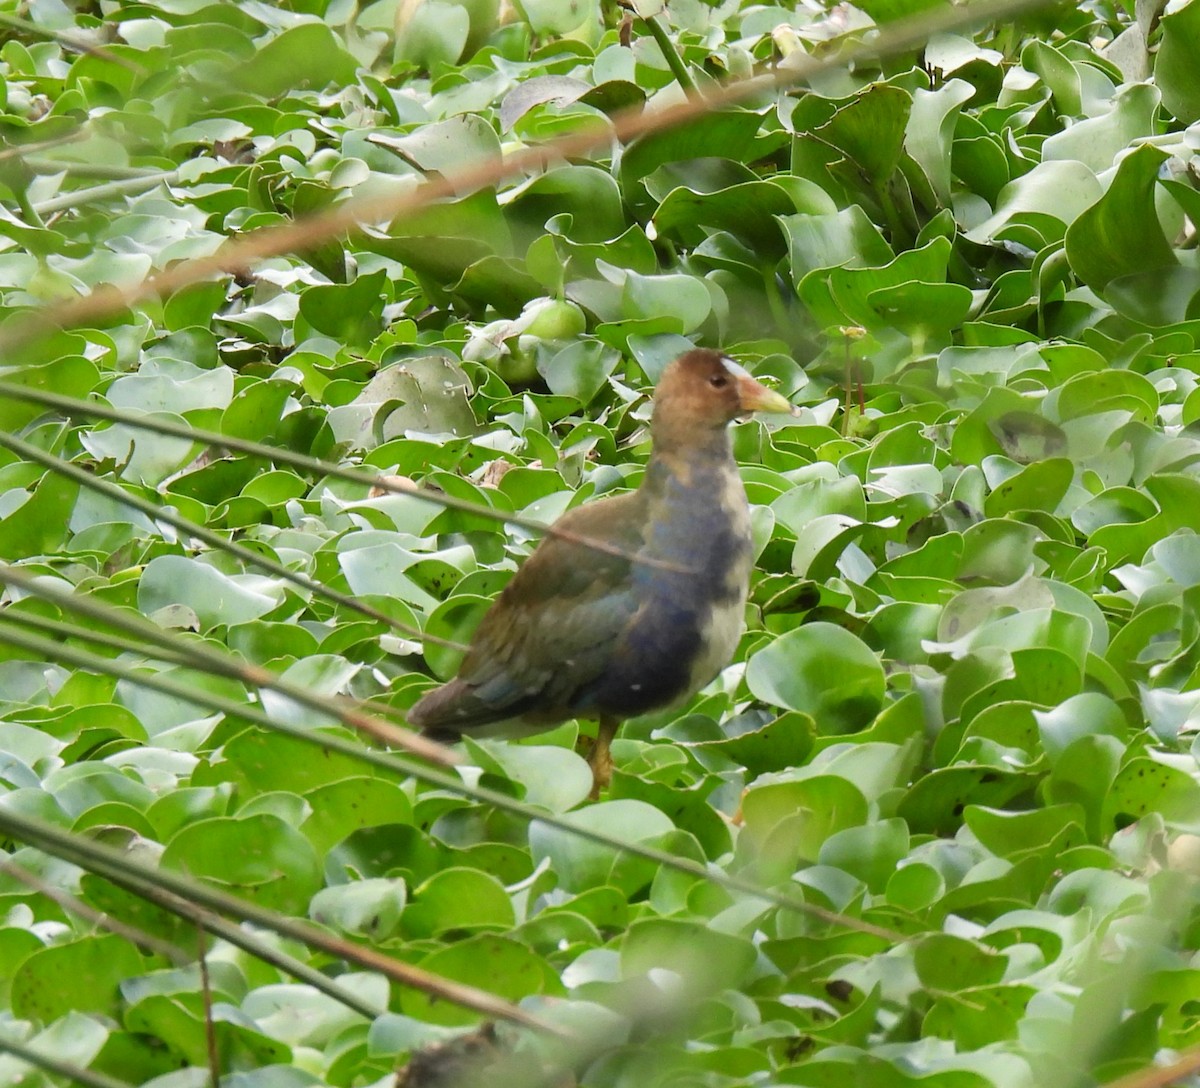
(822, 670)
(1120, 234)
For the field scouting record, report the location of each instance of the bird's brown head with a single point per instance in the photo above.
(704, 390)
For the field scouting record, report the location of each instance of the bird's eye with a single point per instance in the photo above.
(718, 381)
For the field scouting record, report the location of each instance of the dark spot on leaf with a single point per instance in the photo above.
(797, 1048)
(839, 989)
(1123, 820)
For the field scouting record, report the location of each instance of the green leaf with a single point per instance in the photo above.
(434, 33)
(216, 598)
(348, 312)
(1174, 71)
(869, 853)
(366, 908)
(259, 857)
(581, 864)
(822, 670)
(714, 134)
(496, 964)
(928, 138)
(343, 807)
(458, 899)
(1049, 198)
(1120, 234)
(80, 976)
(307, 54)
(706, 960)
(845, 239)
(870, 129)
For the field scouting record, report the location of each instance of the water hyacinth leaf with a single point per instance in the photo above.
(748, 211)
(936, 802)
(259, 761)
(443, 240)
(535, 91)
(308, 48)
(715, 134)
(586, 197)
(433, 34)
(930, 129)
(72, 376)
(178, 1021)
(922, 308)
(321, 674)
(442, 146)
(458, 898)
(822, 670)
(350, 312)
(79, 976)
(37, 522)
(1052, 193)
(259, 857)
(578, 370)
(684, 299)
(75, 1038)
(554, 778)
(454, 620)
(833, 240)
(1147, 785)
(1082, 774)
(870, 129)
(786, 822)
(870, 852)
(1176, 77)
(901, 628)
(857, 292)
(1037, 486)
(366, 908)
(1114, 505)
(948, 963)
(547, 17)
(425, 394)
(708, 960)
(1058, 73)
(338, 809)
(171, 385)
(824, 540)
(773, 746)
(255, 412)
(1098, 140)
(489, 962)
(580, 864)
(1120, 234)
(216, 598)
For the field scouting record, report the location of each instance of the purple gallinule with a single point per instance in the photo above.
(580, 633)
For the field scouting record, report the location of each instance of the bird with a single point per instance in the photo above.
(644, 624)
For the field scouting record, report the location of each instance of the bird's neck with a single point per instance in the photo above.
(679, 451)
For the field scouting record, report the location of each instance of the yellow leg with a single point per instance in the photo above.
(600, 758)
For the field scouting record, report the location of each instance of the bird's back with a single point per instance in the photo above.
(551, 630)
(583, 633)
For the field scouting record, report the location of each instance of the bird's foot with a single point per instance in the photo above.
(600, 761)
(600, 757)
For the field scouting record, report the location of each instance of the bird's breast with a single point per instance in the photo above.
(701, 525)
(689, 616)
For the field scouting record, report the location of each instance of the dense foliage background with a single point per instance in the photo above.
(962, 722)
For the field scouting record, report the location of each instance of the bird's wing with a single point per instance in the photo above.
(552, 630)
